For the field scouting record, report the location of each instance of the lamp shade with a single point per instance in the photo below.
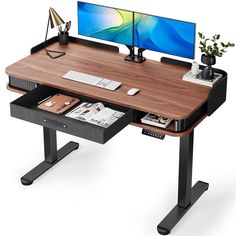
(55, 19)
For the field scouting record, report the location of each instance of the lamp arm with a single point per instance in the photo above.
(46, 36)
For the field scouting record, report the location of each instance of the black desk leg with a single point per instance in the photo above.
(52, 156)
(187, 195)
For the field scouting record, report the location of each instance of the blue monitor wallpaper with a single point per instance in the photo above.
(164, 35)
(105, 23)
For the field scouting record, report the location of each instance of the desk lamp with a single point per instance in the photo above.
(54, 20)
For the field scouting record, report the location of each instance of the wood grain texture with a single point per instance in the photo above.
(162, 90)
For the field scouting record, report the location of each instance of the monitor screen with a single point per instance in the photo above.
(164, 35)
(105, 23)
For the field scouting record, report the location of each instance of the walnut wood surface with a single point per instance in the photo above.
(162, 90)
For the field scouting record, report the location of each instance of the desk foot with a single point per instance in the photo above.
(178, 212)
(29, 178)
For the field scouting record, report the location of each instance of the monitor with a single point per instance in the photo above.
(164, 35)
(105, 23)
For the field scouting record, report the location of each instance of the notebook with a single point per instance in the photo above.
(58, 103)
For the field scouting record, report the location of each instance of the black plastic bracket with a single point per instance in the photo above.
(52, 156)
(131, 55)
(140, 58)
(187, 195)
(172, 61)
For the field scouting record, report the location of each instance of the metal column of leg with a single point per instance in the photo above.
(187, 195)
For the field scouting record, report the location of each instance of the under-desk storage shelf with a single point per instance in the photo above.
(25, 108)
(170, 130)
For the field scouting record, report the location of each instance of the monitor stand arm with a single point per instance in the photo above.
(139, 58)
(131, 55)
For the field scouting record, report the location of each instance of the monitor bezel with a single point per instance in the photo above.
(78, 2)
(195, 27)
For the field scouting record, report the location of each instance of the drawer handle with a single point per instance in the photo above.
(55, 123)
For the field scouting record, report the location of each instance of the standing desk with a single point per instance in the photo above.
(163, 92)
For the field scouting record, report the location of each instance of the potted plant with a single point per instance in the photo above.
(211, 48)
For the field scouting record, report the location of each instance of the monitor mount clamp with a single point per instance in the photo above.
(135, 58)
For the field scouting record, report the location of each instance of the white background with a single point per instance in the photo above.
(127, 186)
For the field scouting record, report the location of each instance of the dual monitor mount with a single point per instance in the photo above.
(135, 58)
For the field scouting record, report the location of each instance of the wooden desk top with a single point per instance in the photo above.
(162, 90)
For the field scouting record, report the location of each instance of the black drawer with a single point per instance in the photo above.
(25, 108)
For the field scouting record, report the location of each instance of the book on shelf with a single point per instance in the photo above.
(95, 113)
(197, 79)
(156, 120)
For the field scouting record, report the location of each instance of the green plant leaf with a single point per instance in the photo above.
(200, 35)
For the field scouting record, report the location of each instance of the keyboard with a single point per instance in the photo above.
(92, 80)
